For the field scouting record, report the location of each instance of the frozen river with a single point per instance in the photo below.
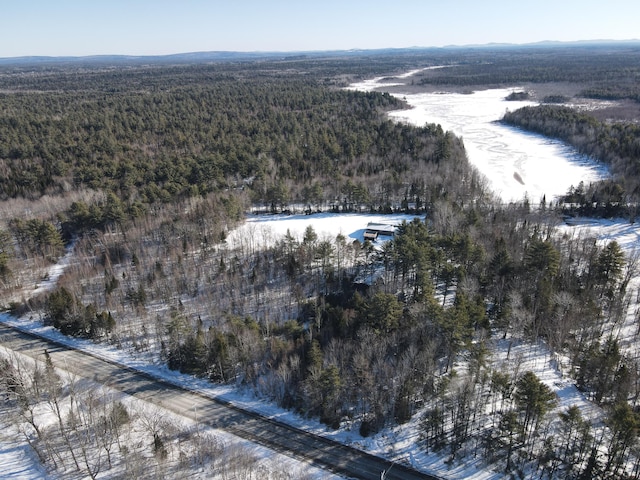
(515, 162)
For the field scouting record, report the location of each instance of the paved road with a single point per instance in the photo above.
(319, 451)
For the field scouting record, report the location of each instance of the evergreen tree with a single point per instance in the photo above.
(624, 424)
(607, 271)
(382, 313)
(575, 435)
(6, 252)
(533, 400)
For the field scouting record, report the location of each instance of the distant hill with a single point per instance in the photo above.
(197, 57)
(231, 56)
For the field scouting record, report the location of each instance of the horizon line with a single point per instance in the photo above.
(321, 51)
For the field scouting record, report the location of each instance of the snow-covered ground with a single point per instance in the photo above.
(515, 162)
(605, 230)
(399, 443)
(19, 461)
(545, 167)
(54, 273)
(261, 231)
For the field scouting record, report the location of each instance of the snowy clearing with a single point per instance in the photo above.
(262, 231)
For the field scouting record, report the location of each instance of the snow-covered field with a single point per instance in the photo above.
(261, 231)
(503, 154)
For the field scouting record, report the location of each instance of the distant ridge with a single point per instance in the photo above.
(554, 43)
(213, 56)
(233, 56)
(178, 57)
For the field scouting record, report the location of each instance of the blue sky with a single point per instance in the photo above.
(151, 27)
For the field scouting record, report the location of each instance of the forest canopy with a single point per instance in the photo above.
(139, 172)
(284, 137)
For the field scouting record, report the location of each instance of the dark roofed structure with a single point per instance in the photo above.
(374, 230)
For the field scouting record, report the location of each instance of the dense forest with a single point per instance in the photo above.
(615, 144)
(143, 171)
(603, 72)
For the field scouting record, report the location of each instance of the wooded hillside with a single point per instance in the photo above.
(617, 145)
(145, 170)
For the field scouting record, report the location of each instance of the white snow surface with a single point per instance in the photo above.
(17, 460)
(627, 234)
(398, 443)
(503, 154)
(546, 167)
(261, 231)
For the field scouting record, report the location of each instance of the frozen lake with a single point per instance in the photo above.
(515, 162)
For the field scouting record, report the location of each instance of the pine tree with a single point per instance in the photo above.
(509, 431)
(624, 424)
(607, 271)
(533, 400)
(6, 252)
(575, 435)
(53, 384)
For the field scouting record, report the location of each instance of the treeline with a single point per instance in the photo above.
(617, 92)
(149, 76)
(607, 72)
(615, 144)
